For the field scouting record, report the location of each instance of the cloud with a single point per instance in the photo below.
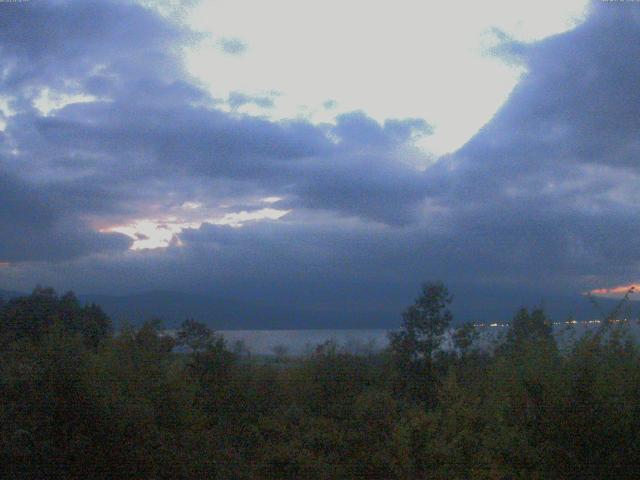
(146, 134)
(239, 99)
(545, 190)
(232, 46)
(32, 228)
(90, 46)
(618, 291)
(542, 200)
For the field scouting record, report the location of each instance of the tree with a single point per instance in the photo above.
(95, 325)
(195, 335)
(527, 327)
(280, 351)
(32, 316)
(424, 323)
(29, 316)
(241, 350)
(413, 347)
(464, 337)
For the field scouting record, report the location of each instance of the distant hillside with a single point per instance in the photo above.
(7, 294)
(223, 313)
(488, 306)
(229, 314)
(173, 307)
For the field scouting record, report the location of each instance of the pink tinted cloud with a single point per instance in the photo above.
(618, 291)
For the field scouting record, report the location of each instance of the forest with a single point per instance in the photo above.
(81, 400)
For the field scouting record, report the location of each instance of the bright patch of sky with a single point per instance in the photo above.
(49, 100)
(5, 112)
(271, 199)
(151, 234)
(395, 59)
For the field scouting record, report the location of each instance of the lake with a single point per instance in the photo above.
(300, 342)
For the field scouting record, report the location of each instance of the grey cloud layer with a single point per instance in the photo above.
(151, 127)
(543, 197)
(32, 228)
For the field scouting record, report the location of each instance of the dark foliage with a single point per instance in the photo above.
(77, 401)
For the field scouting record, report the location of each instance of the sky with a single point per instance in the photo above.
(333, 155)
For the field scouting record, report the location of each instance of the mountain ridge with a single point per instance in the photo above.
(223, 313)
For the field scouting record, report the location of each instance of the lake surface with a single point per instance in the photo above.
(359, 341)
(300, 342)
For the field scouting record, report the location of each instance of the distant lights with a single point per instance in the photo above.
(568, 322)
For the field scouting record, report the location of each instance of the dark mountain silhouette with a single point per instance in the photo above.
(229, 314)
(498, 306)
(7, 294)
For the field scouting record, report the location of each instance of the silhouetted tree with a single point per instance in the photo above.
(413, 347)
(464, 337)
(195, 335)
(32, 316)
(424, 323)
(241, 350)
(528, 327)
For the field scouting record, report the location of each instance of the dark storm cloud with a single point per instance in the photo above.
(32, 228)
(145, 143)
(578, 102)
(545, 192)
